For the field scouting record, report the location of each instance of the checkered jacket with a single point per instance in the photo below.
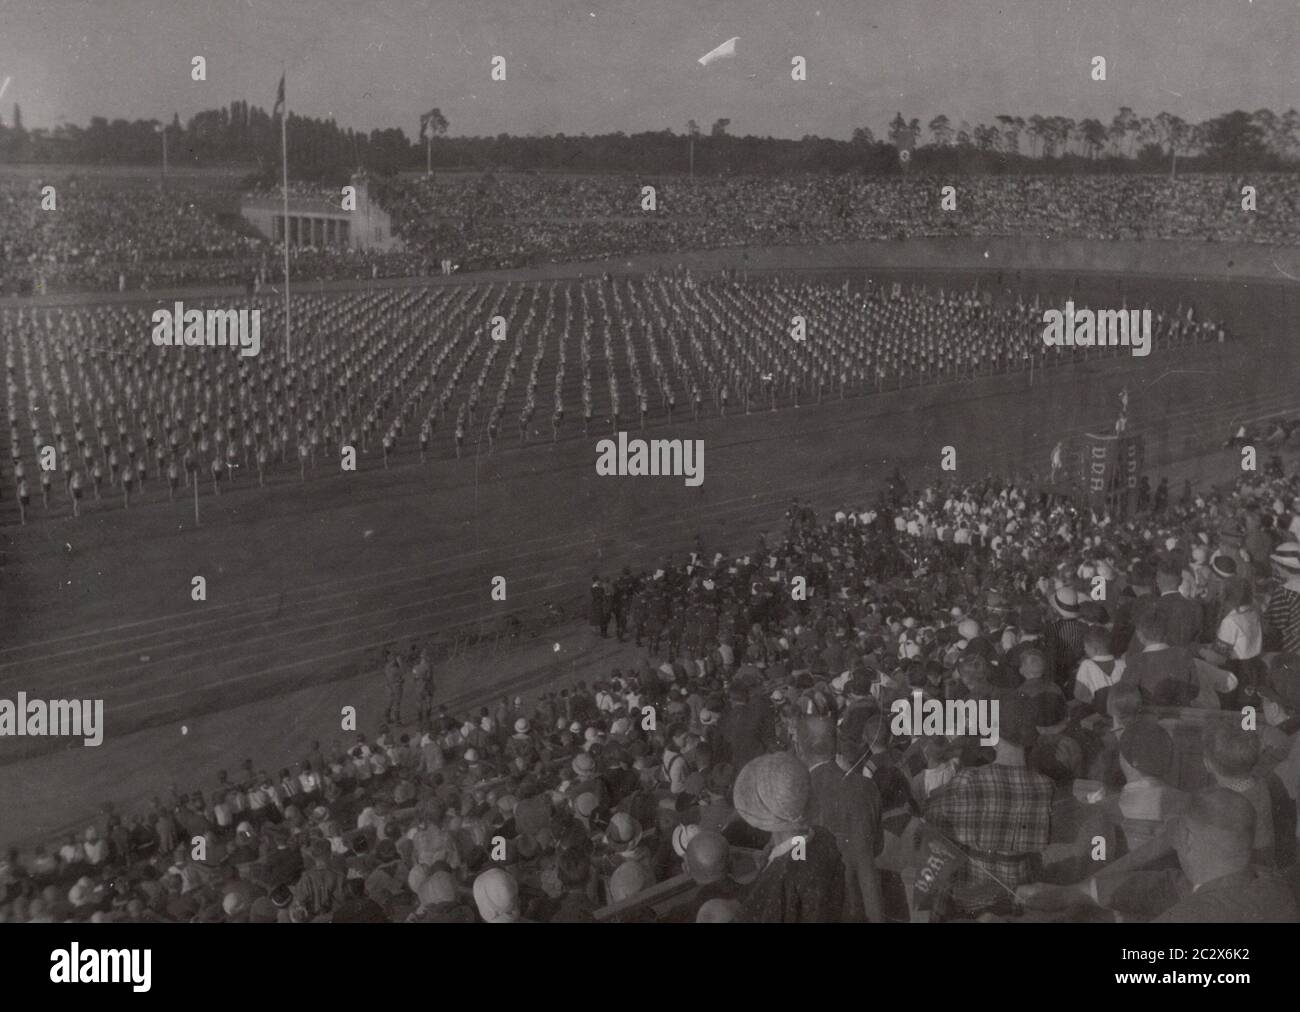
(1001, 817)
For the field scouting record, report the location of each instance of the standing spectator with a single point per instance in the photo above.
(1063, 638)
(1182, 616)
(599, 608)
(1000, 815)
(772, 794)
(394, 676)
(1240, 636)
(1283, 608)
(849, 807)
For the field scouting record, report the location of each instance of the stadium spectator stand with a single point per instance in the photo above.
(571, 806)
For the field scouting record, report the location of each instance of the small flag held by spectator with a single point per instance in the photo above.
(938, 862)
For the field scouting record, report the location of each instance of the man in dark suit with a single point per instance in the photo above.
(599, 610)
(1182, 616)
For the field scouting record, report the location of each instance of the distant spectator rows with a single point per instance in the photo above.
(103, 238)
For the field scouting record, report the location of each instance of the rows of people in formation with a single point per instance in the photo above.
(437, 370)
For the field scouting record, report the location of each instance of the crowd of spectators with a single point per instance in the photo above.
(513, 221)
(752, 769)
(92, 232)
(406, 372)
(104, 236)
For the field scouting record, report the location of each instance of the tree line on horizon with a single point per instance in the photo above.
(322, 151)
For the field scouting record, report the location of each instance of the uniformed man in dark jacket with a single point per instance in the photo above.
(599, 609)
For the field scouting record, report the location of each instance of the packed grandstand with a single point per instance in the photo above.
(168, 238)
(772, 723)
(747, 765)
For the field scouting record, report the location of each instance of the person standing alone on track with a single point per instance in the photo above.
(422, 676)
(394, 675)
(599, 606)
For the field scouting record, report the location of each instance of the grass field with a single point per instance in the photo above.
(306, 583)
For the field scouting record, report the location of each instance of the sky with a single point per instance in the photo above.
(631, 65)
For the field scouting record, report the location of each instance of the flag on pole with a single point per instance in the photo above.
(725, 51)
(284, 166)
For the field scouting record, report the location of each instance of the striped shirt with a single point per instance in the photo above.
(1283, 614)
(1063, 640)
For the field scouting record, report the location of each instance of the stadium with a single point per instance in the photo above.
(375, 638)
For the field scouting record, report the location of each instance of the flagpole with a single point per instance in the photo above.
(284, 163)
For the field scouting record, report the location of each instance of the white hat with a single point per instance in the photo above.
(683, 835)
(1066, 602)
(1287, 555)
(521, 725)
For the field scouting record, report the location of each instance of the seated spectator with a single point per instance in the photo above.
(1231, 755)
(496, 894)
(1146, 756)
(1099, 669)
(1216, 881)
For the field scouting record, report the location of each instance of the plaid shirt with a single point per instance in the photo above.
(1001, 817)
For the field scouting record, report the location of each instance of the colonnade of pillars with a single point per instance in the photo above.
(310, 230)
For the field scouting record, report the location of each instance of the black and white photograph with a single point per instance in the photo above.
(665, 462)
